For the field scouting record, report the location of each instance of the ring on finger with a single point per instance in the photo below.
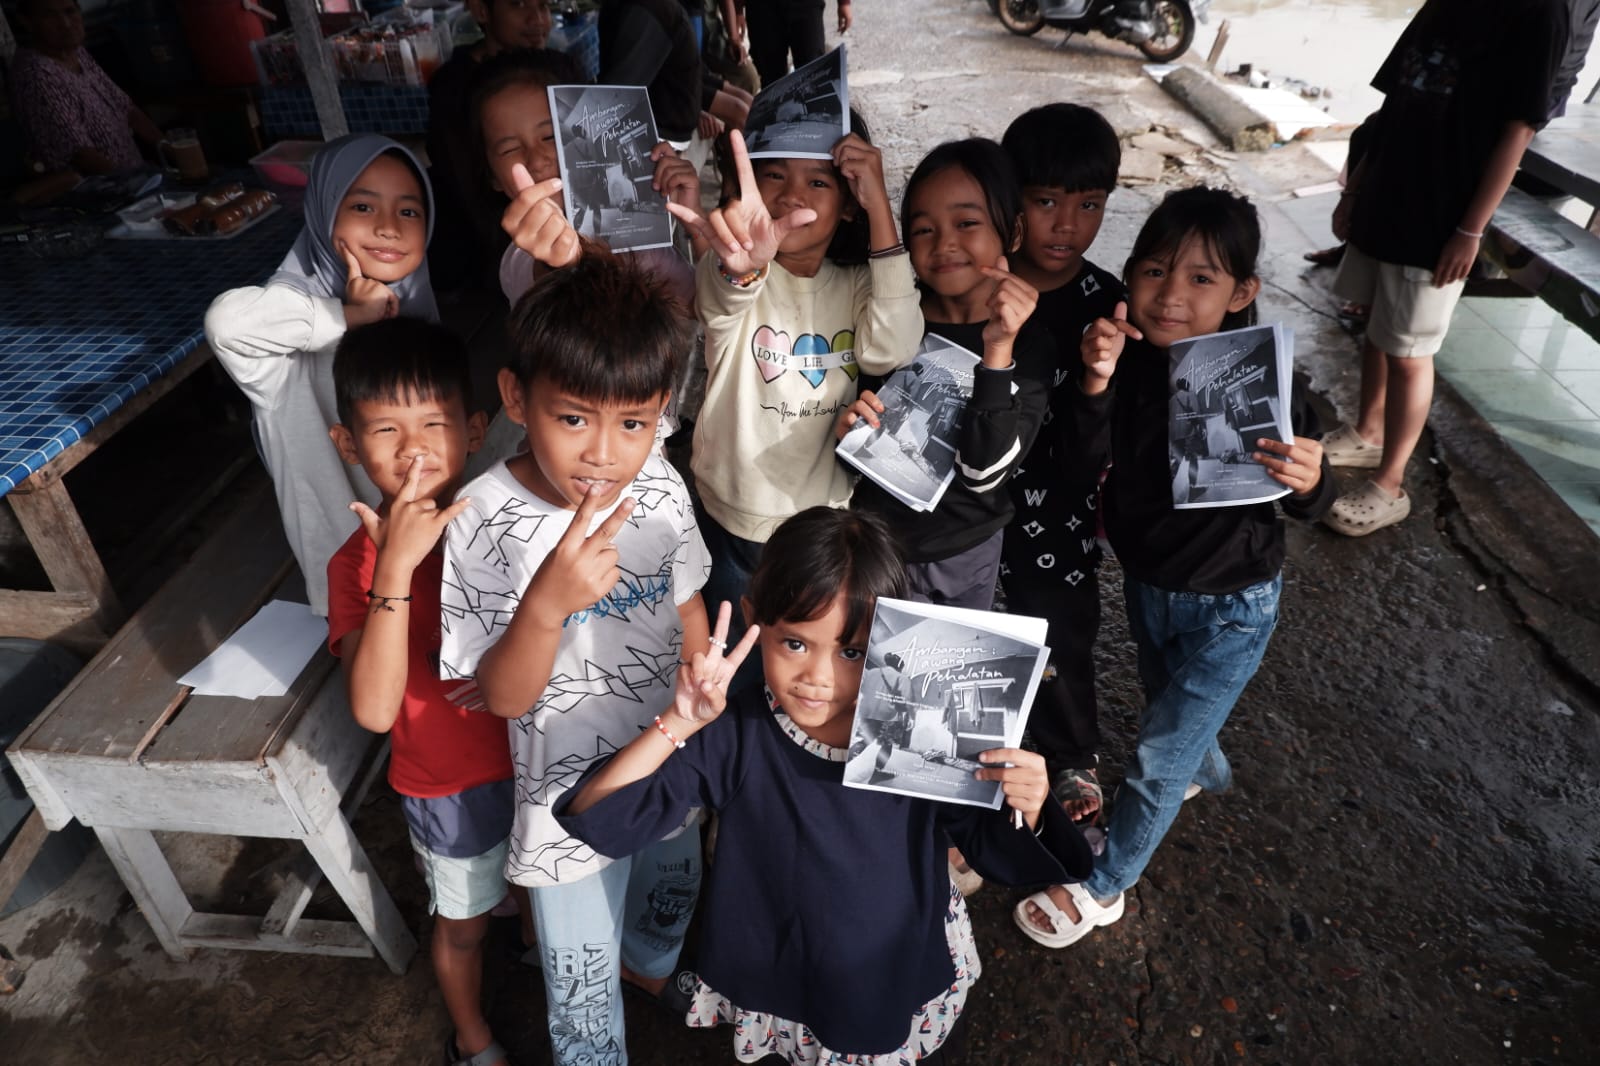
(720, 645)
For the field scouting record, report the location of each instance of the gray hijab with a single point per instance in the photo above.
(313, 265)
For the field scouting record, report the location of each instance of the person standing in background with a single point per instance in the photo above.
(781, 28)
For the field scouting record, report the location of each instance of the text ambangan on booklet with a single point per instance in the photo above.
(604, 136)
(940, 685)
(1226, 392)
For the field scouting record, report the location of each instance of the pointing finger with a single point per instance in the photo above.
(351, 264)
(520, 178)
(408, 491)
(1120, 312)
(737, 656)
(608, 530)
(579, 529)
(742, 167)
(719, 635)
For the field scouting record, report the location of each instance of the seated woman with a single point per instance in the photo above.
(72, 113)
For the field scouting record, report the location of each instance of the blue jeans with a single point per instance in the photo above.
(633, 912)
(1196, 654)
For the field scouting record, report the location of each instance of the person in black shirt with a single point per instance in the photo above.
(1465, 88)
(1202, 585)
(1066, 157)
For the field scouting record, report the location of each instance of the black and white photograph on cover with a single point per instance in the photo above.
(940, 685)
(802, 114)
(1227, 391)
(604, 134)
(912, 452)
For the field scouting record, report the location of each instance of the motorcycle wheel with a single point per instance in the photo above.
(1174, 24)
(1022, 17)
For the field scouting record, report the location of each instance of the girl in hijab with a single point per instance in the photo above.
(360, 258)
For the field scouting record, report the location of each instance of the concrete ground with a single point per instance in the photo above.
(1405, 871)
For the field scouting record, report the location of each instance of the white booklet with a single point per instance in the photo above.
(1227, 391)
(942, 684)
(912, 453)
(802, 114)
(604, 134)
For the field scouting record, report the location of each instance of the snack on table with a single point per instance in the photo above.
(221, 194)
(235, 214)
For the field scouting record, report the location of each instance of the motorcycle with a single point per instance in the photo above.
(1161, 29)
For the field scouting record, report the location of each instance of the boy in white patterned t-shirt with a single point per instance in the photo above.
(571, 592)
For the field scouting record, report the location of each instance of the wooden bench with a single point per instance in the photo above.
(1548, 255)
(129, 752)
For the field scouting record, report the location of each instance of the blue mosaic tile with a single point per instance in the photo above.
(80, 337)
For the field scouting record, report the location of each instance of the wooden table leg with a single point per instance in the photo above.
(56, 534)
(19, 856)
(148, 877)
(346, 866)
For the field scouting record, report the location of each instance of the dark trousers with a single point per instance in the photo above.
(780, 27)
(1048, 570)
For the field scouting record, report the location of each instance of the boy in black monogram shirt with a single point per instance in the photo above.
(1066, 157)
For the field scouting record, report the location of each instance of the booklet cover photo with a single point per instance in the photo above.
(604, 135)
(1226, 392)
(940, 685)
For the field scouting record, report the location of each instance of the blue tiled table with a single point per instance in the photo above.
(85, 345)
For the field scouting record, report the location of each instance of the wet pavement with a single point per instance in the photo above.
(1404, 872)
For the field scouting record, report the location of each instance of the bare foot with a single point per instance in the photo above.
(1058, 895)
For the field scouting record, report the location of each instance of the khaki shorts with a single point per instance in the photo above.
(1409, 316)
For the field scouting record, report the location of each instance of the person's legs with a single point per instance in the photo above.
(769, 42)
(1372, 420)
(462, 893)
(807, 40)
(580, 933)
(963, 580)
(663, 888)
(1409, 396)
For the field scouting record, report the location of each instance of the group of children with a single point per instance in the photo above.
(554, 629)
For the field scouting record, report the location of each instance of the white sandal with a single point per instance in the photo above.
(1366, 510)
(1343, 446)
(1063, 930)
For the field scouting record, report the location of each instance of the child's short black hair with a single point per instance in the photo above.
(1227, 223)
(1064, 146)
(539, 67)
(853, 239)
(821, 553)
(604, 330)
(396, 360)
(986, 163)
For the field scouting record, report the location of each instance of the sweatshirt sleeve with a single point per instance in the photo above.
(722, 306)
(1056, 854)
(1086, 433)
(1306, 423)
(1005, 413)
(887, 315)
(255, 330)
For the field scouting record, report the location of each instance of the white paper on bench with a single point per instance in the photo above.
(263, 656)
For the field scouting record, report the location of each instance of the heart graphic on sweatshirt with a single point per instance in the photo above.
(771, 351)
(844, 343)
(808, 347)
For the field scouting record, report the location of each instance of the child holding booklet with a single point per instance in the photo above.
(1201, 586)
(962, 213)
(831, 928)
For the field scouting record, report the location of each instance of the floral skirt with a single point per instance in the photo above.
(757, 1035)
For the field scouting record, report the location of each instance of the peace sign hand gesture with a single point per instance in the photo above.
(744, 234)
(702, 690)
(365, 299)
(581, 569)
(410, 531)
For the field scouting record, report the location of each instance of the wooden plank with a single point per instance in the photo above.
(109, 426)
(351, 874)
(228, 729)
(317, 61)
(56, 535)
(1548, 255)
(46, 799)
(20, 855)
(108, 708)
(317, 763)
(61, 617)
(300, 884)
(239, 932)
(149, 879)
(231, 798)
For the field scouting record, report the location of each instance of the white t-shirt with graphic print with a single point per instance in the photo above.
(615, 668)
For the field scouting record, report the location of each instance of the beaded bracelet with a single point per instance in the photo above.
(740, 281)
(662, 726)
(378, 602)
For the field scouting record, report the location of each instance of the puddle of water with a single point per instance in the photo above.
(1333, 44)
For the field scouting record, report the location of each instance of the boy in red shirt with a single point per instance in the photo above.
(401, 388)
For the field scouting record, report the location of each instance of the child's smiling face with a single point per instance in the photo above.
(1186, 296)
(386, 437)
(382, 220)
(789, 184)
(950, 235)
(1059, 226)
(814, 672)
(517, 129)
